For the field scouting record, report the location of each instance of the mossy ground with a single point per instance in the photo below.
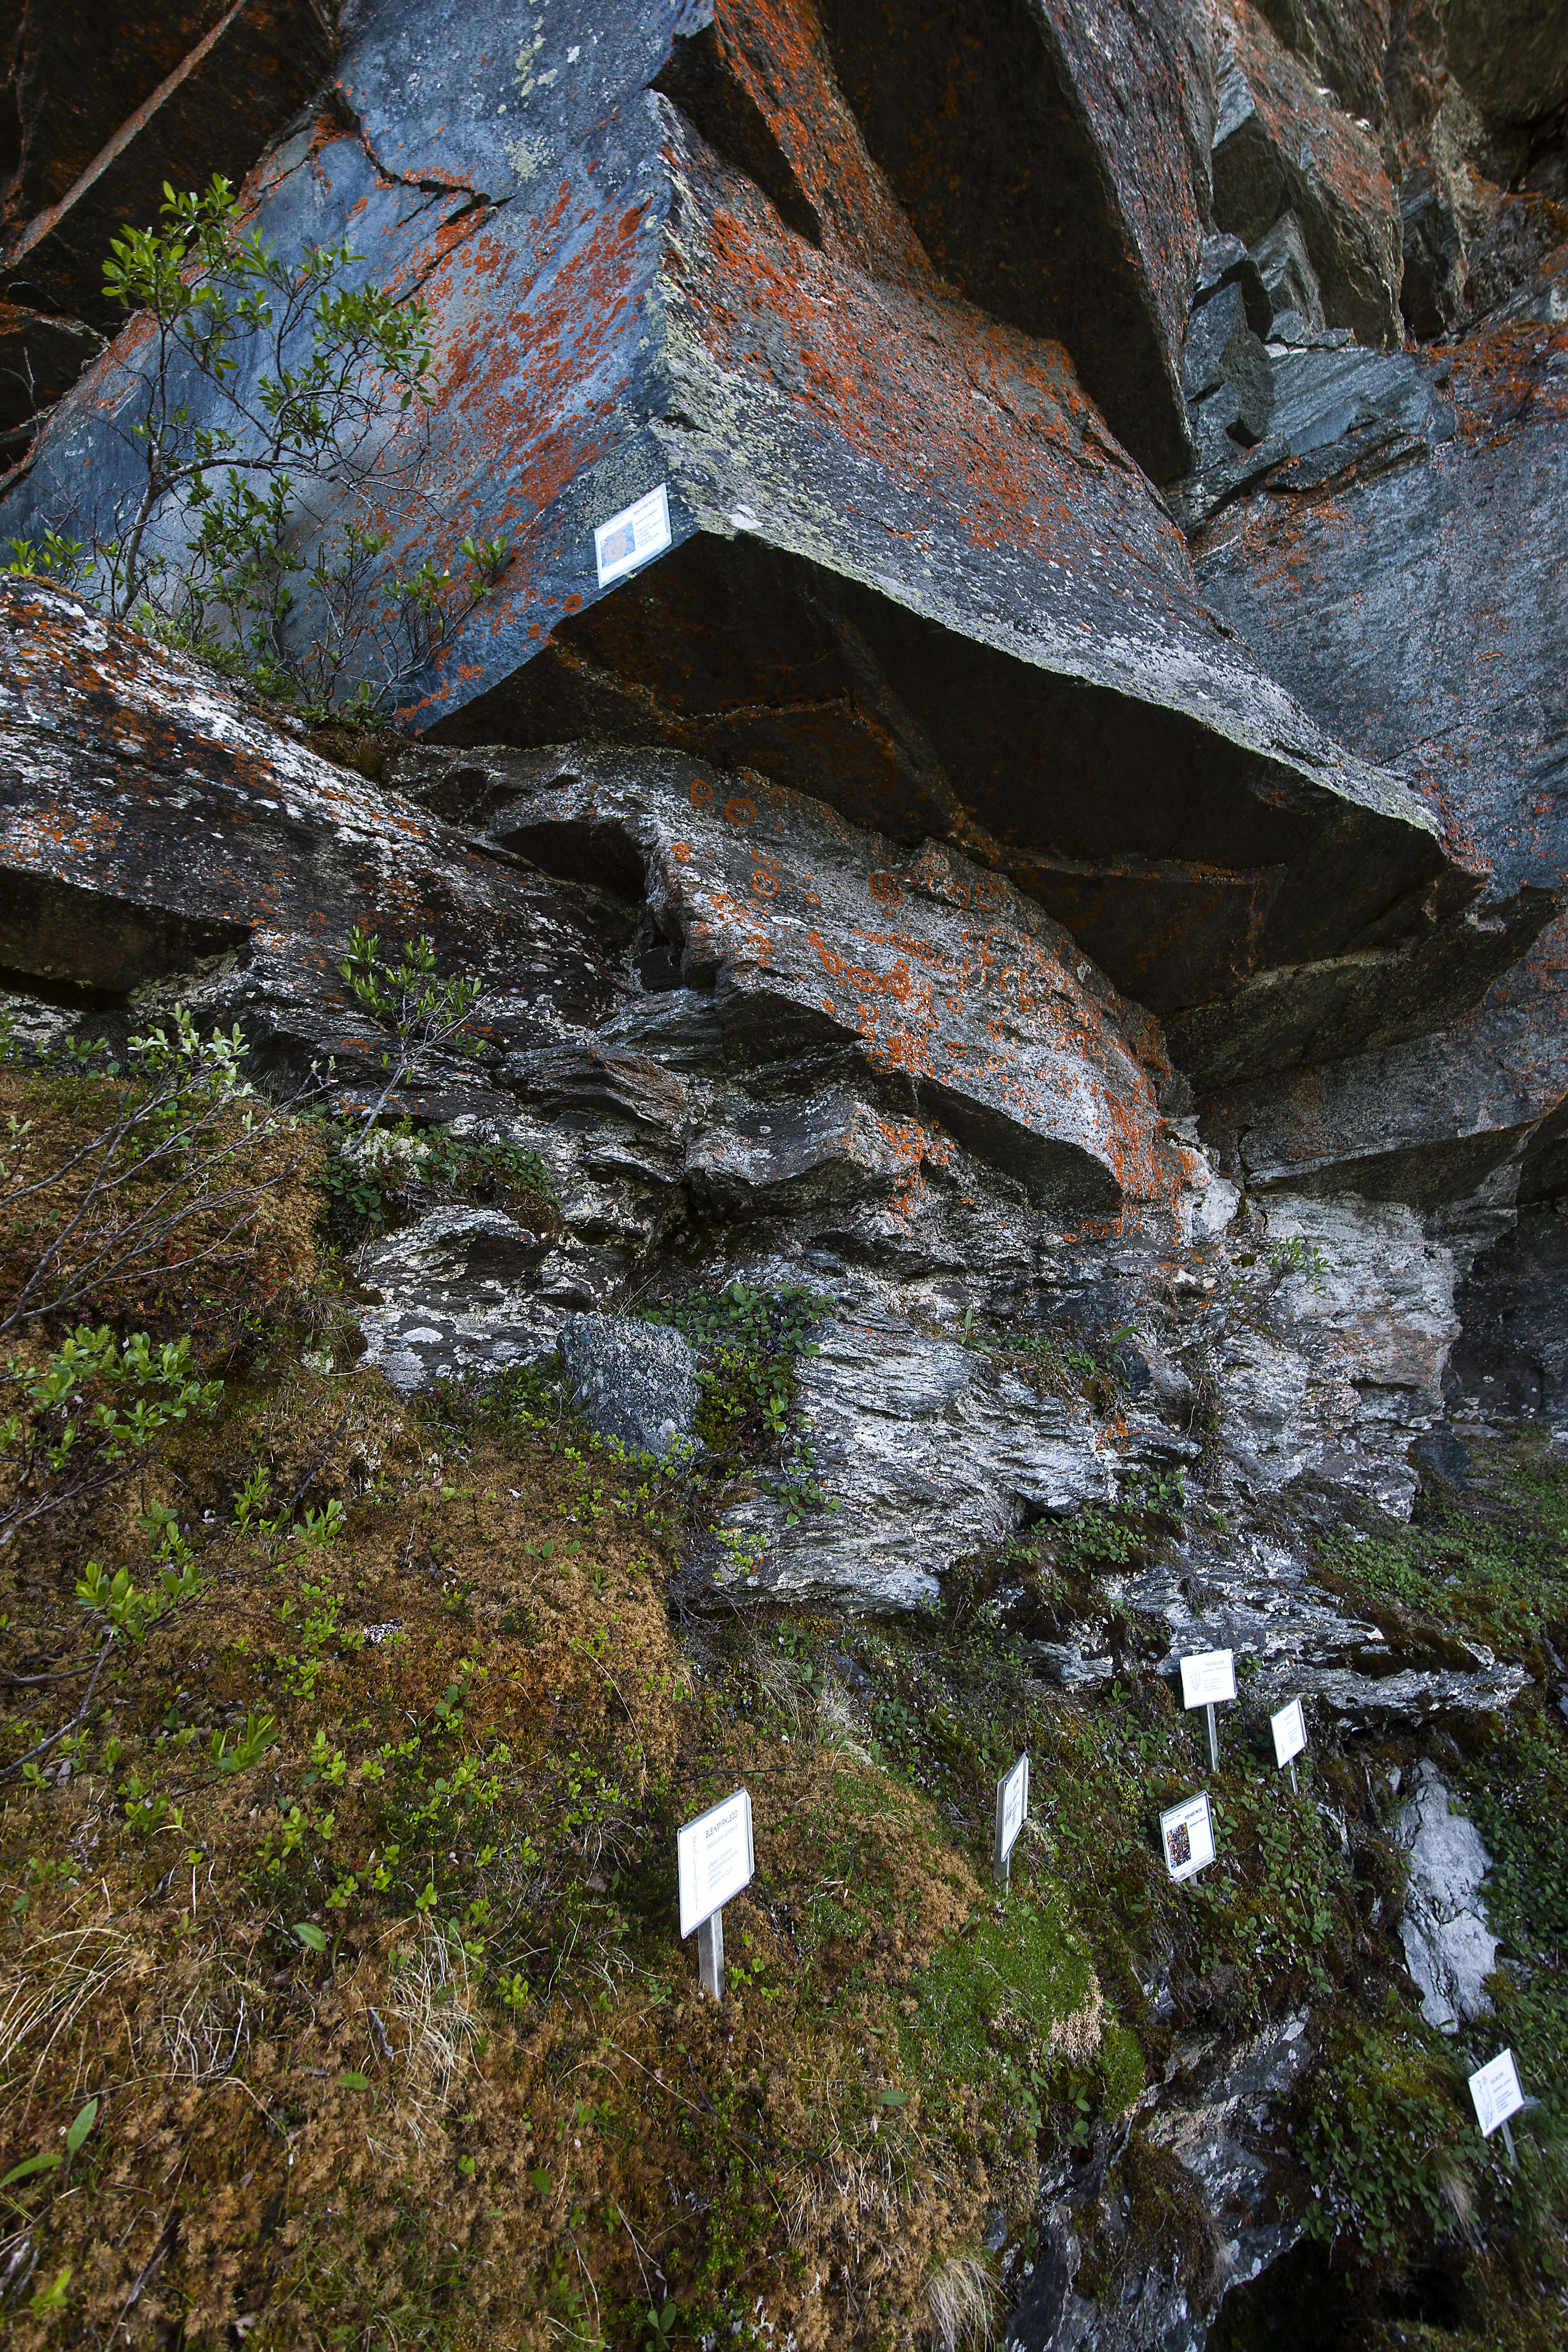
(347, 1919)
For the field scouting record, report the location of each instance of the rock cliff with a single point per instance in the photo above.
(1016, 1086)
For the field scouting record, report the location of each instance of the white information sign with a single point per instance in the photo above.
(1208, 1678)
(1186, 1837)
(713, 1859)
(1496, 2092)
(633, 536)
(1289, 1729)
(1012, 1808)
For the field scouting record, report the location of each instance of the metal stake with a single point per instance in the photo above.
(1214, 1738)
(710, 1955)
(1508, 2143)
(1295, 1784)
(1002, 1869)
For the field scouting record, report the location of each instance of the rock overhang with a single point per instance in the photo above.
(913, 573)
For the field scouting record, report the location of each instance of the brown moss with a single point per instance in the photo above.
(307, 2142)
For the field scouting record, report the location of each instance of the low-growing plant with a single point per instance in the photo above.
(269, 389)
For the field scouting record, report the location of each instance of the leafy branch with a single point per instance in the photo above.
(415, 1007)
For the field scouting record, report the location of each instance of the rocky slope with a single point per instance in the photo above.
(1017, 1084)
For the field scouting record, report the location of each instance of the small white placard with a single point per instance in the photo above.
(713, 1859)
(1290, 1729)
(1207, 1677)
(1496, 2092)
(1012, 1807)
(1186, 1837)
(634, 535)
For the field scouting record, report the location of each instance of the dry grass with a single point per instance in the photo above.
(961, 2295)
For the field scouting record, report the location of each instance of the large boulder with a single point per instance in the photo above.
(154, 828)
(781, 930)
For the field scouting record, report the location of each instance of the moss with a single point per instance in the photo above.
(1489, 1566)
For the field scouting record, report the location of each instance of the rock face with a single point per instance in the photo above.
(1449, 1949)
(980, 631)
(1434, 507)
(1059, 863)
(1279, 148)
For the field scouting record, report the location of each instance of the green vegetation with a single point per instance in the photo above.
(266, 387)
(750, 1341)
(345, 1743)
(1490, 1567)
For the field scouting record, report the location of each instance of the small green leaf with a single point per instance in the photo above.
(34, 2164)
(52, 2298)
(310, 1936)
(352, 2080)
(894, 2098)
(541, 2181)
(82, 2127)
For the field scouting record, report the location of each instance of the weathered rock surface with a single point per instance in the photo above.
(247, 67)
(956, 122)
(1113, 969)
(1280, 147)
(935, 628)
(1451, 1950)
(956, 990)
(1511, 54)
(1329, 561)
(635, 1382)
(456, 1296)
(1215, 2114)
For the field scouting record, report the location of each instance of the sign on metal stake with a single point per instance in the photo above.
(1290, 1729)
(1012, 1813)
(1494, 2089)
(1208, 1679)
(1186, 1836)
(713, 1860)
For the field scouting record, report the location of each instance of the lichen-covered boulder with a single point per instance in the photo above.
(635, 1382)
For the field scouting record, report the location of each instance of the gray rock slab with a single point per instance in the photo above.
(455, 1296)
(1448, 1948)
(1421, 608)
(635, 1382)
(1282, 146)
(156, 828)
(1286, 268)
(927, 1450)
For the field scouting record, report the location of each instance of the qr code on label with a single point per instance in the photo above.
(1178, 1844)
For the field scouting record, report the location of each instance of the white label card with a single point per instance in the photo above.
(1012, 1807)
(1186, 1837)
(1496, 2092)
(633, 536)
(713, 1859)
(1290, 1729)
(1208, 1678)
